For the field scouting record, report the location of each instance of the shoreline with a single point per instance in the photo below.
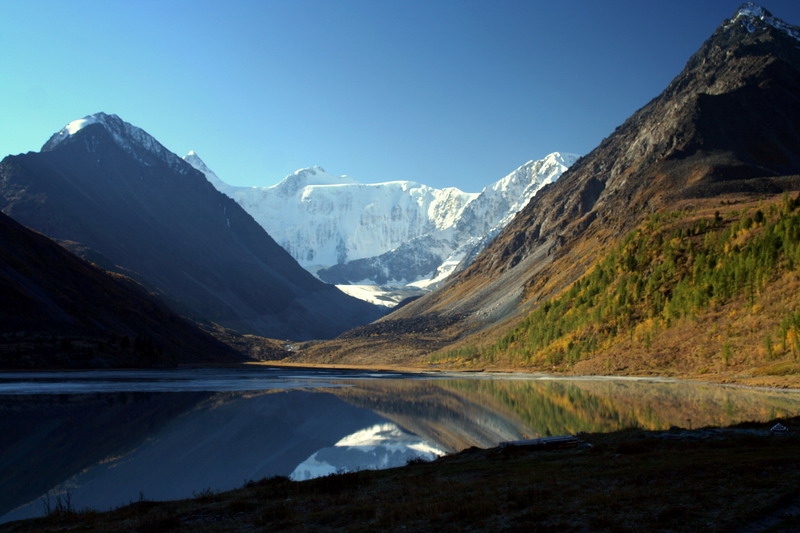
(789, 383)
(778, 383)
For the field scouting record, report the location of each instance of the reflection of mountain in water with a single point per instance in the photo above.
(374, 448)
(107, 448)
(459, 413)
(46, 439)
(557, 407)
(221, 443)
(451, 419)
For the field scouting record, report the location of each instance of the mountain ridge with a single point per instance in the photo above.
(113, 188)
(397, 233)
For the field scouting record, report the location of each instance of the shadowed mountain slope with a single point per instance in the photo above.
(115, 190)
(57, 310)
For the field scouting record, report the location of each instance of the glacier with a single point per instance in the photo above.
(392, 233)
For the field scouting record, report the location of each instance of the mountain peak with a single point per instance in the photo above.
(754, 18)
(310, 173)
(751, 9)
(198, 164)
(133, 140)
(562, 158)
(109, 121)
(534, 174)
(314, 175)
(193, 159)
(125, 197)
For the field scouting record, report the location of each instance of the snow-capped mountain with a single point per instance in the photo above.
(194, 160)
(497, 204)
(390, 233)
(135, 141)
(324, 220)
(754, 17)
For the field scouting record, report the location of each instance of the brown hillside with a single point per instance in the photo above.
(728, 123)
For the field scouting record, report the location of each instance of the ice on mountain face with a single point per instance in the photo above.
(323, 220)
(398, 233)
(496, 205)
(374, 448)
(749, 9)
(71, 129)
(133, 140)
(76, 125)
(312, 176)
(754, 17)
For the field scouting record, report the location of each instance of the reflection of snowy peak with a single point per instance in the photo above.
(374, 448)
(384, 233)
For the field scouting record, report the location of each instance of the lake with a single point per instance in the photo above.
(107, 438)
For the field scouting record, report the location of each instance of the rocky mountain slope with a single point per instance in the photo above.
(57, 310)
(730, 116)
(729, 123)
(121, 195)
(391, 233)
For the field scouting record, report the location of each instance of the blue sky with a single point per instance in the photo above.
(447, 93)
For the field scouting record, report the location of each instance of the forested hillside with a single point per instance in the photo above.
(661, 282)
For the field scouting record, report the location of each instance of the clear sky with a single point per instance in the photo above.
(444, 92)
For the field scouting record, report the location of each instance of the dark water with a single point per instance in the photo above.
(107, 438)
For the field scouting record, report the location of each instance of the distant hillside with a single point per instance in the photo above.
(57, 310)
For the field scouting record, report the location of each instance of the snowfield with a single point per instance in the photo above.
(379, 236)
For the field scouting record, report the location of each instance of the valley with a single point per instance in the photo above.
(181, 353)
(677, 226)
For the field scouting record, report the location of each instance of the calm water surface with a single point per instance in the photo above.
(108, 438)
